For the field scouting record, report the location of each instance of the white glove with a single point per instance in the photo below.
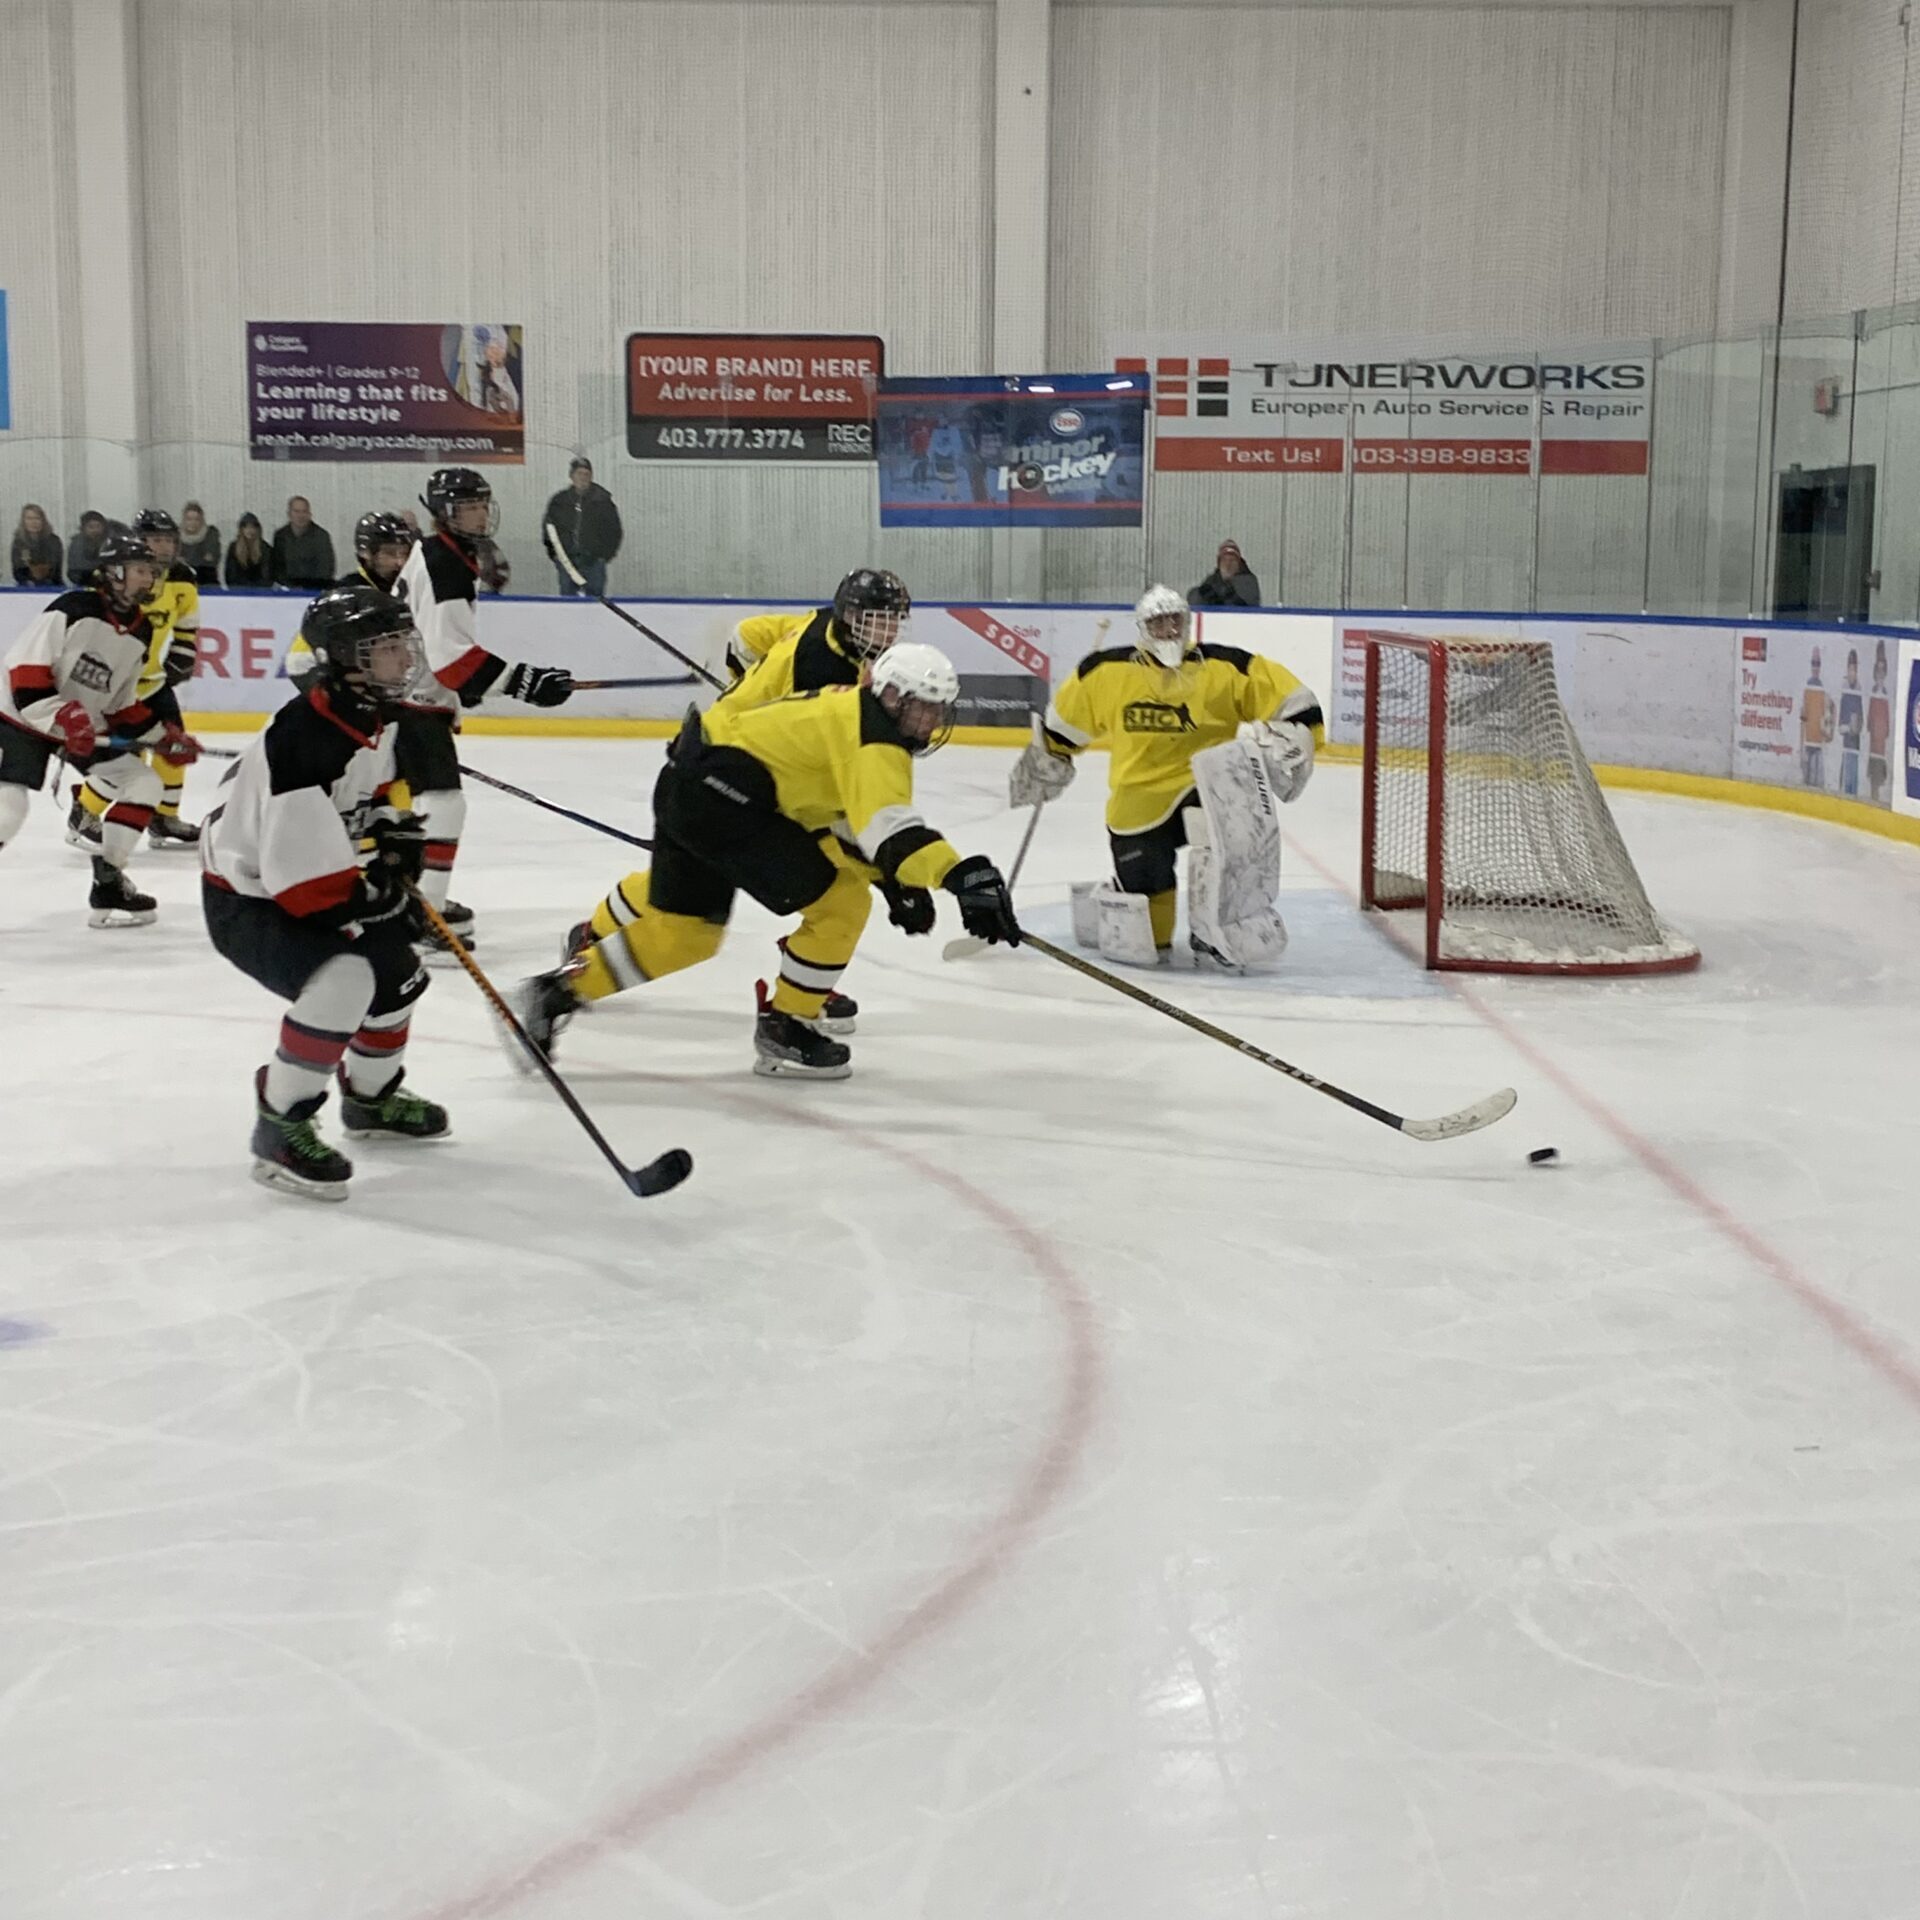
(1287, 748)
(1038, 776)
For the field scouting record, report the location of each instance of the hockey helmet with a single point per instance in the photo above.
(1164, 624)
(925, 692)
(870, 607)
(449, 489)
(114, 565)
(161, 531)
(373, 532)
(347, 629)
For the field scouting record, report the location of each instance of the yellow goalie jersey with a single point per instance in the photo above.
(782, 653)
(840, 765)
(1153, 719)
(173, 608)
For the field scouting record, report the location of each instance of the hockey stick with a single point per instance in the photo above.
(657, 1176)
(573, 573)
(553, 806)
(600, 686)
(1449, 1126)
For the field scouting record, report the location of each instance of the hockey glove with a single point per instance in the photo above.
(909, 908)
(400, 844)
(539, 686)
(183, 655)
(1287, 748)
(74, 724)
(986, 907)
(176, 746)
(386, 907)
(1038, 776)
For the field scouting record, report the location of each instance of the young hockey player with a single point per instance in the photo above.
(775, 654)
(441, 578)
(293, 903)
(68, 687)
(801, 804)
(1203, 741)
(381, 543)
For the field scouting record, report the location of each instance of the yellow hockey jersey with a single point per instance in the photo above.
(839, 764)
(1153, 719)
(173, 611)
(783, 653)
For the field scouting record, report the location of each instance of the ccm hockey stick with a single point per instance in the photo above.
(1449, 1126)
(573, 573)
(657, 1176)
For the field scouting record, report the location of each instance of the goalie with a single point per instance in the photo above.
(1204, 742)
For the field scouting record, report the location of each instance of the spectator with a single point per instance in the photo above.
(36, 551)
(249, 562)
(84, 545)
(587, 524)
(200, 544)
(1231, 583)
(302, 550)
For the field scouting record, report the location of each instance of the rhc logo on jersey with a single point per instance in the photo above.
(91, 671)
(1155, 716)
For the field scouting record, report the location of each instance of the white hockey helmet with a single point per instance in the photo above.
(924, 692)
(1164, 625)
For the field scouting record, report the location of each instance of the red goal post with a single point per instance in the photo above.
(1479, 808)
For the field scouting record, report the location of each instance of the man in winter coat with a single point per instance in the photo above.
(583, 518)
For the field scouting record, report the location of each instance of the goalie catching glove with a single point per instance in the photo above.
(1038, 776)
(1287, 748)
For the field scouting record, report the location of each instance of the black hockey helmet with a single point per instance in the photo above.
(372, 531)
(870, 606)
(449, 489)
(119, 550)
(343, 627)
(151, 520)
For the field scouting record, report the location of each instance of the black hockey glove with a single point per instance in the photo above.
(400, 844)
(986, 907)
(183, 656)
(539, 686)
(387, 907)
(909, 908)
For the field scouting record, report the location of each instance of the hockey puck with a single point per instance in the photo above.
(1541, 1155)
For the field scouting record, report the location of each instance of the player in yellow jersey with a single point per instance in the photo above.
(173, 617)
(799, 804)
(775, 654)
(1203, 742)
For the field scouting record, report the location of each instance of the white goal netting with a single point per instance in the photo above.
(1481, 810)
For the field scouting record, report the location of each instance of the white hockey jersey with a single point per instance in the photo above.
(79, 649)
(292, 816)
(441, 583)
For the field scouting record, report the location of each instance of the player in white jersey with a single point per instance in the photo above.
(69, 687)
(293, 901)
(441, 579)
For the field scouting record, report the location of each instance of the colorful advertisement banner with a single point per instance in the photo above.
(380, 390)
(1049, 450)
(1289, 406)
(1906, 734)
(1816, 710)
(752, 396)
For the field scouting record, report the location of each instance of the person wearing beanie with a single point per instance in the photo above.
(1232, 583)
(583, 518)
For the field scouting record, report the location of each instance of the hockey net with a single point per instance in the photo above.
(1479, 807)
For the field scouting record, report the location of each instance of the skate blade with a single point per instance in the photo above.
(791, 1070)
(836, 1029)
(107, 917)
(405, 1139)
(266, 1174)
(173, 846)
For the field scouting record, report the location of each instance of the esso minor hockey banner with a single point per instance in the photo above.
(1041, 450)
(1292, 406)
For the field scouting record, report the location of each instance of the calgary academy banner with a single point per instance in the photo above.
(1291, 406)
(377, 390)
(1046, 450)
(752, 396)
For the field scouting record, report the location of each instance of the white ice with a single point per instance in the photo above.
(1066, 1470)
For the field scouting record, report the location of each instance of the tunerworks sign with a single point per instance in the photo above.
(1280, 407)
(752, 396)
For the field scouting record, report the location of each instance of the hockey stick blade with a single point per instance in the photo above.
(963, 949)
(1450, 1126)
(661, 1175)
(573, 573)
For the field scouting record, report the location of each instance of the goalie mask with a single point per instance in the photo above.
(366, 645)
(1165, 626)
(920, 691)
(870, 607)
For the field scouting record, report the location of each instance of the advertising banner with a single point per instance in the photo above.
(752, 396)
(1905, 736)
(1815, 710)
(380, 390)
(1292, 406)
(1052, 450)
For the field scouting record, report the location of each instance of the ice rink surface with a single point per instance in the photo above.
(1066, 1470)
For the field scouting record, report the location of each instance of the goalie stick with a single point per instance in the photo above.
(573, 573)
(657, 1176)
(1448, 1126)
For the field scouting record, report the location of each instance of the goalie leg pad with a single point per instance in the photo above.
(1234, 866)
(1126, 928)
(1086, 914)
